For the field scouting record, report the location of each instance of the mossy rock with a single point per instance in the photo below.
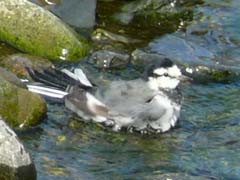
(8, 173)
(34, 30)
(19, 63)
(19, 107)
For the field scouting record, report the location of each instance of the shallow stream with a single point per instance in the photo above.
(204, 145)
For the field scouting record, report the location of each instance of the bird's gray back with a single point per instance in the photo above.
(134, 104)
(122, 96)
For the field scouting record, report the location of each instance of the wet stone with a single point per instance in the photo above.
(181, 50)
(107, 59)
(101, 35)
(15, 161)
(81, 14)
(156, 17)
(19, 64)
(19, 107)
(12, 78)
(195, 60)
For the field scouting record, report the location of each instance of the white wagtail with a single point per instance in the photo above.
(148, 105)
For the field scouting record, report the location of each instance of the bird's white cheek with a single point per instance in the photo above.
(153, 84)
(174, 71)
(166, 82)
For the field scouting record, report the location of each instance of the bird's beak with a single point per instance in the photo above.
(185, 78)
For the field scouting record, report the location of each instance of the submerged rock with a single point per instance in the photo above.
(107, 59)
(158, 6)
(195, 60)
(181, 50)
(19, 107)
(180, 176)
(160, 16)
(102, 35)
(111, 41)
(34, 30)
(15, 162)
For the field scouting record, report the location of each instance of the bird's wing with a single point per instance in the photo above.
(120, 95)
(60, 79)
(78, 75)
(86, 105)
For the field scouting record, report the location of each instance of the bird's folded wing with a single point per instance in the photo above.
(86, 105)
(60, 79)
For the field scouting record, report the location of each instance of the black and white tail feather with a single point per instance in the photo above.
(75, 88)
(60, 79)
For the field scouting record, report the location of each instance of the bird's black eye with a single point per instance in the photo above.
(165, 74)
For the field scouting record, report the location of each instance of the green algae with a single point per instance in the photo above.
(143, 20)
(19, 107)
(35, 30)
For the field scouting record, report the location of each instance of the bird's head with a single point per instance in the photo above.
(164, 75)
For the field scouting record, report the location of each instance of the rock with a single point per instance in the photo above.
(11, 78)
(107, 40)
(107, 59)
(5, 49)
(101, 35)
(32, 29)
(140, 58)
(19, 107)
(77, 13)
(15, 162)
(18, 64)
(161, 16)
(159, 6)
(181, 50)
(81, 14)
(195, 61)
(179, 176)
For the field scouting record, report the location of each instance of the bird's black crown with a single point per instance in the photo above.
(160, 63)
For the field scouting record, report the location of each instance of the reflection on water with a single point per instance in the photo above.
(205, 144)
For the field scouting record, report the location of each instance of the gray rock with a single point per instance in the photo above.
(78, 13)
(101, 35)
(15, 162)
(181, 50)
(107, 59)
(196, 61)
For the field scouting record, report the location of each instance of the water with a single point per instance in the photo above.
(205, 144)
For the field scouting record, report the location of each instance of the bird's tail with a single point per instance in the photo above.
(55, 83)
(47, 91)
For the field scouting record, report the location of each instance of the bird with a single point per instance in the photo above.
(150, 104)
